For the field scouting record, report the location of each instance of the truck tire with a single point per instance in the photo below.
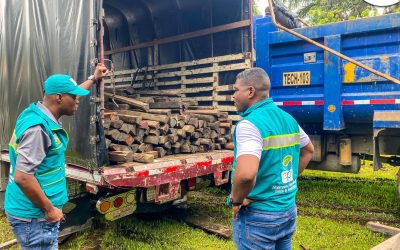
(332, 163)
(151, 208)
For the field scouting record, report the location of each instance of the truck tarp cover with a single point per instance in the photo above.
(39, 38)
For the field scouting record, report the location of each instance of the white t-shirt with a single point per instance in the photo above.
(249, 140)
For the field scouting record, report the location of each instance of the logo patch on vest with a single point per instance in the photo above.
(58, 141)
(287, 174)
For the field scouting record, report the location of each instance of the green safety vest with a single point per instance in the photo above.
(276, 180)
(50, 173)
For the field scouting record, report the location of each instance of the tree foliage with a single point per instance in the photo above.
(329, 11)
(256, 11)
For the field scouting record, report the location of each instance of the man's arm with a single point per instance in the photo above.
(306, 154)
(31, 188)
(245, 176)
(248, 152)
(100, 72)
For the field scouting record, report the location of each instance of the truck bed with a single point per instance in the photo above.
(168, 169)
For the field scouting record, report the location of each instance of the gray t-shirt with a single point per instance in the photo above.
(33, 145)
(32, 149)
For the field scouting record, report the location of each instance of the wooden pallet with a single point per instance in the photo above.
(195, 80)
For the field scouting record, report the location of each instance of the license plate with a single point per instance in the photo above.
(296, 78)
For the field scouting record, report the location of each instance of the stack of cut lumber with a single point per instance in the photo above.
(143, 129)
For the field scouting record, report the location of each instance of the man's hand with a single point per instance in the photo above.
(31, 188)
(54, 215)
(100, 72)
(235, 209)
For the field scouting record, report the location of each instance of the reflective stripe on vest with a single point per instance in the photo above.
(281, 141)
(13, 142)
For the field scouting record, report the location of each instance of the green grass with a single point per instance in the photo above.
(333, 209)
(319, 233)
(159, 234)
(5, 229)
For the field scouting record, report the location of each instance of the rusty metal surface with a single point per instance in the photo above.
(170, 171)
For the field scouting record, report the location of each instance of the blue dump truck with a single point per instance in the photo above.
(350, 113)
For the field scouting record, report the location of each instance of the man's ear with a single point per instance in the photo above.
(59, 98)
(252, 92)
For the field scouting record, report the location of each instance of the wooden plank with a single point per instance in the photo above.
(158, 84)
(120, 156)
(202, 98)
(117, 124)
(118, 147)
(383, 229)
(145, 158)
(198, 80)
(170, 93)
(227, 108)
(209, 60)
(235, 117)
(185, 36)
(215, 84)
(139, 85)
(222, 68)
(225, 125)
(160, 111)
(8, 244)
(196, 90)
(151, 139)
(154, 153)
(127, 139)
(112, 116)
(106, 123)
(161, 151)
(208, 118)
(146, 99)
(200, 107)
(163, 139)
(167, 105)
(153, 124)
(128, 128)
(188, 129)
(223, 98)
(160, 118)
(144, 147)
(154, 131)
(173, 121)
(137, 104)
(202, 112)
(134, 119)
(224, 88)
(392, 243)
(113, 134)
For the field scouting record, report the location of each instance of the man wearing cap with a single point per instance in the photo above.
(37, 190)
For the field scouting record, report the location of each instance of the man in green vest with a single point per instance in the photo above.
(270, 152)
(37, 190)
